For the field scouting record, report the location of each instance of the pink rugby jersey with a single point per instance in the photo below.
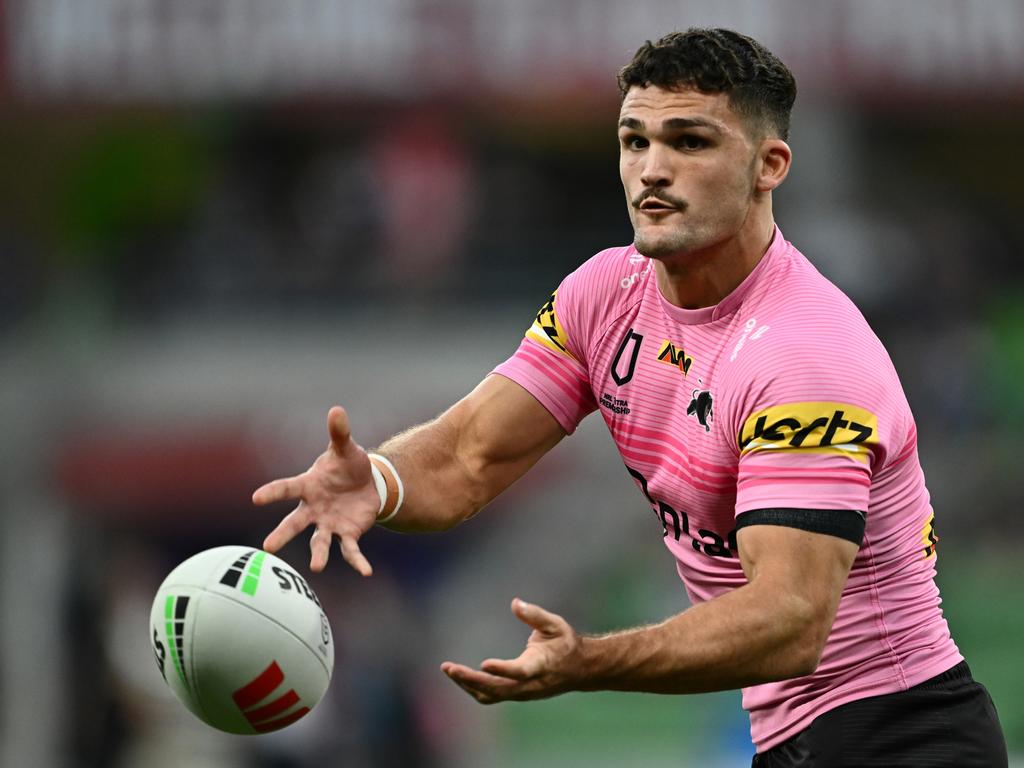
(779, 397)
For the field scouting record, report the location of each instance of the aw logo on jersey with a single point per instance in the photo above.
(548, 331)
(834, 428)
(672, 355)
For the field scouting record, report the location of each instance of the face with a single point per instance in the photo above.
(688, 165)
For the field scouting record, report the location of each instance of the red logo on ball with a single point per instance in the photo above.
(268, 717)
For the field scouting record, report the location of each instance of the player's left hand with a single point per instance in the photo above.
(548, 666)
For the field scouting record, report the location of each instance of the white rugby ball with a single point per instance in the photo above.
(242, 640)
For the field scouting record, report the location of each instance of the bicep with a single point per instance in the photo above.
(805, 569)
(795, 556)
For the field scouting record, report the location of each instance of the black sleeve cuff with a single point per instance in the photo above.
(845, 523)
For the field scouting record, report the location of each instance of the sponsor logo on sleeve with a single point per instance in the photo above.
(929, 539)
(832, 428)
(547, 330)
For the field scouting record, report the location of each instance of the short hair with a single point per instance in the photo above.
(760, 87)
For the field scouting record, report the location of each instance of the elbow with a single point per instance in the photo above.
(805, 657)
(475, 472)
(810, 631)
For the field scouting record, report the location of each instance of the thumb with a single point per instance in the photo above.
(338, 428)
(543, 621)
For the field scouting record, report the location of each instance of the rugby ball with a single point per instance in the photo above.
(242, 640)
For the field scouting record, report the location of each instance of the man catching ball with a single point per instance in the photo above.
(786, 480)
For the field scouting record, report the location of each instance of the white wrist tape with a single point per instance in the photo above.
(380, 482)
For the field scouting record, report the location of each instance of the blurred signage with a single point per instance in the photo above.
(547, 50)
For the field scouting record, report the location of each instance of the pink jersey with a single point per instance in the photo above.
(781, 396)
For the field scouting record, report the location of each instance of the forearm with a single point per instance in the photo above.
(453, 466)
(440, 488)
(747, 636)
(772, 628)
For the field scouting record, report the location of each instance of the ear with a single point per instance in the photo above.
(774, 159)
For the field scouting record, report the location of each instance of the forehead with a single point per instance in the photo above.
(653, 105)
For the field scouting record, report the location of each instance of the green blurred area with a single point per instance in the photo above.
(983, 600)
(1006, 320)
(614, 729)
(129, 179)
(82, 187)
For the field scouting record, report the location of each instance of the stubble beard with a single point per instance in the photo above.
(664, 245)
(660, 248)
(689, 238)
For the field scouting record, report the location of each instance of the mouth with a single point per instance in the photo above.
(652, 204)
(653, 207)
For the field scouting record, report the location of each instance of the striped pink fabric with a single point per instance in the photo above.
(779, 396)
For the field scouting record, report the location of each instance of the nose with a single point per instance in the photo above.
(656, 171)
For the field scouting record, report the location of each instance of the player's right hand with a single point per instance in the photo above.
(336, 495)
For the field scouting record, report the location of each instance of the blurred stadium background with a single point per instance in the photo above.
(219, 217)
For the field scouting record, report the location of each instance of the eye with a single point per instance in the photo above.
(634, 142)
(691, 142)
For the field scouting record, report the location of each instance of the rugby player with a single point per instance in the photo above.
(759, 416)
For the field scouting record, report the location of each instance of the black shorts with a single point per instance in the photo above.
(948, 721)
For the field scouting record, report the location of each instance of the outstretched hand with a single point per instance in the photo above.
(549, 665)
(336, 495)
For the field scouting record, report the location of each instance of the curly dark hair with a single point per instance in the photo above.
(761, 88)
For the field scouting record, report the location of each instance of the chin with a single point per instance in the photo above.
(662, 247)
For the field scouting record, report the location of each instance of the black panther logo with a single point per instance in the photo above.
(700, 408)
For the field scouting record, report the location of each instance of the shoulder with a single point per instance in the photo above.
(802, 315)
(610, 278)
(601, 289)
(807, 350)
(590, 297)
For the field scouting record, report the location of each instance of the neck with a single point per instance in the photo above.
(703, 278)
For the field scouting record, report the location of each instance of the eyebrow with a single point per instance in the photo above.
(673, 124)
